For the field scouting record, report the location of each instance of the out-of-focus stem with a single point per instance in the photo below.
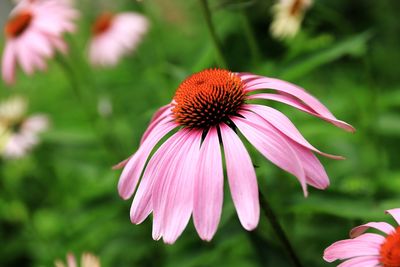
(250, 37)
(269, 213)
(217, 44)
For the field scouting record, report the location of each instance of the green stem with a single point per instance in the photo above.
(217, 44)
(250, 37)
(265, 206)
(90, 111)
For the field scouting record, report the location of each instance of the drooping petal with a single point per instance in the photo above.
(208, 187)
(364, 261)
(242, 178)
(173, 194)
(371, 238)
(271, 144)
(283, 124)
(315, 173)
(156, 169)
(162, 115)
(350, 248)
(133, 169)
(381, 226)
(292, 95)
(395, 214)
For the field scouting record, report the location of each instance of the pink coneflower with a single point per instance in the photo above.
(34, 32)
(288, 15)
(87, 260)
(185, 174)
(114, 36)
(369, 250)
(19, 133)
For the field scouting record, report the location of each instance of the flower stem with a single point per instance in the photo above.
(89, 108)
(265, 206)
(217, 44)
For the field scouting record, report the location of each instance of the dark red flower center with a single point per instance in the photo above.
(390, 250)
(17, 24)
(102, 23)
(208, 98)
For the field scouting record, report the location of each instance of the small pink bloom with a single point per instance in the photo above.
(185, 174)
(18, 133)
(369, 249)
(114, 36)
(34, 32)
(87, 260)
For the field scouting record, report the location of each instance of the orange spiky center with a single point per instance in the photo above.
(17, 24)
(102, 23)
(208, 98)
(390, 250)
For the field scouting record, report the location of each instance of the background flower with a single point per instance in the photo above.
(34, 32)
(114, 36)
(369, 250)
(18, 132)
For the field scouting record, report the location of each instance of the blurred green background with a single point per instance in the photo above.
(63, 196)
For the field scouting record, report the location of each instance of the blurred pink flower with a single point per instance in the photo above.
(185, 174)
(87, 260)
(18, 133)
(34, 32)
(369, 250)
(114, 36)
(288, 15)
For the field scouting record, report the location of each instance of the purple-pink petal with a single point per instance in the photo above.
(350, 248)
(155, 169)
(381, 226)
(8, 63)
(242, 178)
(173, 194)
(208, 188)
(271, 144)
(395, 214)
(301, 106)
(133, 169)
(283, 124)
(363, 261)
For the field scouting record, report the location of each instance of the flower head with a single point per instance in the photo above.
(114, 36)
(369, 249)
(34, 32)
(288, 15)
(18, 133)
(87, 260)
(185, 174)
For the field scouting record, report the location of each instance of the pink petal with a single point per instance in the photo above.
(300, 106)
(155, 170)
(162, 115)
(315, 173)
(381, 226)
(395, 214)
(371, 238)
(9, 61)
(364, 261)
(71, 261)
(283, 124)
(208, 188)
(350, 248)
(242, 179)
(271, 144)
(25, 56)
(133, 169)
(173, 195)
